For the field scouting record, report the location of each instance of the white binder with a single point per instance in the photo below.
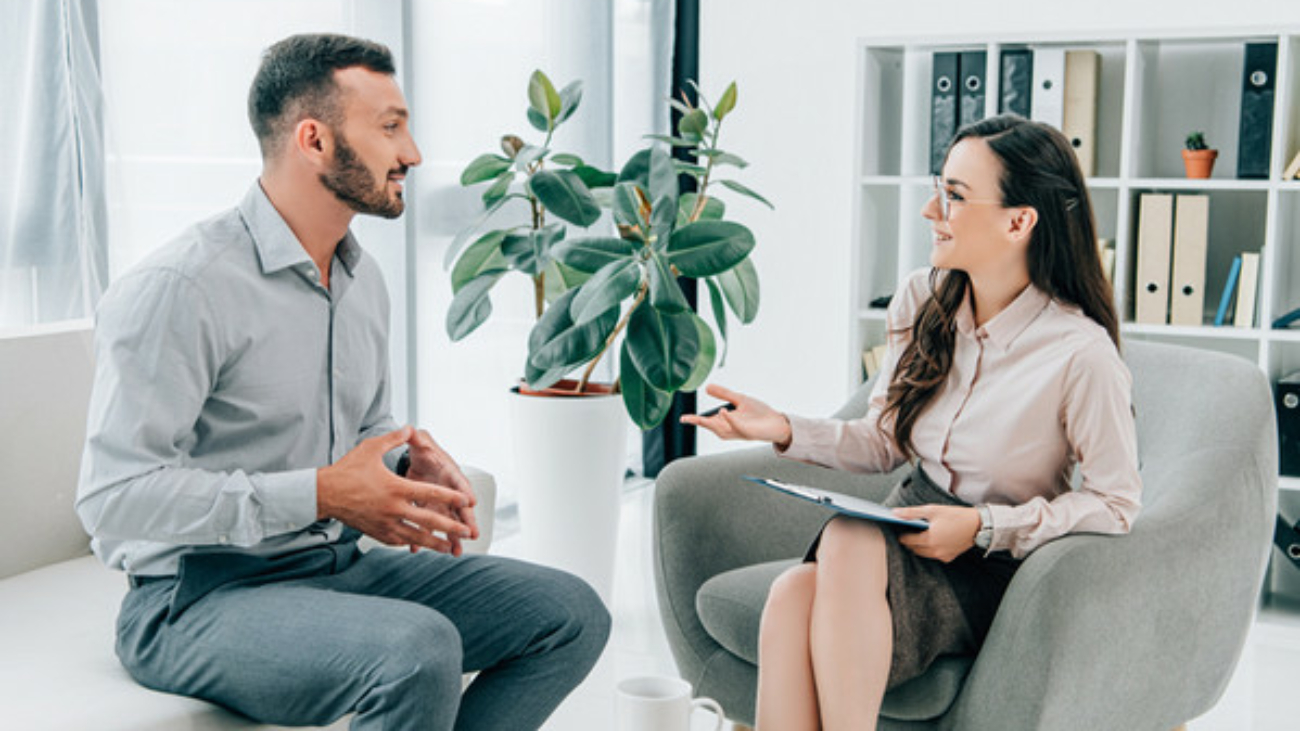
(1187, 290)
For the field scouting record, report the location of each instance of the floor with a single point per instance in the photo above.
(1262, 696)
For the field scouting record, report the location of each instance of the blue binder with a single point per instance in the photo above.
(1226, 300)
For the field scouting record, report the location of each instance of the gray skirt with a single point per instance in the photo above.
(937, 608)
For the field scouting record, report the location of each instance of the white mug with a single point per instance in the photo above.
(658, 703)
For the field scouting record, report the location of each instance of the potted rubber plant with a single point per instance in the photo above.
(593, 292)
(1198, 159)
(604, 294)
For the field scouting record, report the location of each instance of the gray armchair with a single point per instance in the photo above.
(1095, 632)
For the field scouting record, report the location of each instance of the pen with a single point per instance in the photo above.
(716, 410)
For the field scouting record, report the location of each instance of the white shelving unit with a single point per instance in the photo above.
(1153, 89)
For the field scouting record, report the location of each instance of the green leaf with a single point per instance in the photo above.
(484, 167)
(463, 236)
(746, 191)
(594, 177)
(726, 103)
(719, 315)
(482, 255)
(557, 342)
(663, 219)
(590, 255)
(529, 154)
(627, 206)
(706, 248)
(645, 404)
(740, 285)
(674, 141)
(543, 98)
(570, 97)
(663, 179)
(540, 378)
(538, 120)
(722, 158)
(637, 169)
(560, 278)
(699, 96)
(714, 209)
(564, 158)
(471, 305)
(530, 251)
(498, 190)
(704, 363)
(686, 168)
(680, 106)
(693, 126)
(607, 288)
(565, 195)
(665, 294)
(663, 346)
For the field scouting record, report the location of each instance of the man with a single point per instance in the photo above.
(240, 441)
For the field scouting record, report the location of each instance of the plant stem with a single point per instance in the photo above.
(701, 198)
(586, 374)
(539, 279)
(539, 221)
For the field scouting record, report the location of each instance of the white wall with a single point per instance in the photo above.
(794, 63)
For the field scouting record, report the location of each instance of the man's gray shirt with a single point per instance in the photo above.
(225, 376)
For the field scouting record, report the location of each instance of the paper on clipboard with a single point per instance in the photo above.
(839, 502)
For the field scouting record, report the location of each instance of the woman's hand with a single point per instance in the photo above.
(751, 419)
(951, 533)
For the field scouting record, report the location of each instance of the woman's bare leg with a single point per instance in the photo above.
(852, 636)
(787, 697)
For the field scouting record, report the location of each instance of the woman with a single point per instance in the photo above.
(1003, 374)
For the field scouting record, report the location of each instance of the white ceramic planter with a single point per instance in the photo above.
(570, 461)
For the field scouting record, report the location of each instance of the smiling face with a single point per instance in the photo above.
(373, 147)
(980, 236)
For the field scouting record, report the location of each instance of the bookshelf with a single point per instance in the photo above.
(1153, 88)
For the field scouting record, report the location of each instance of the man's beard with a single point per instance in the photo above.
(354, 185)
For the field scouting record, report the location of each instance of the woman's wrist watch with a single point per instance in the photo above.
(984, 537)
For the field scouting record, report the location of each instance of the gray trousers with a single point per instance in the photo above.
(305, 639)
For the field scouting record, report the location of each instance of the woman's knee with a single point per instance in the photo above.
(793, 591)
(852, 544)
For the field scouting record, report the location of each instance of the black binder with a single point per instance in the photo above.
(971, 92)
(943, 107)
(1287, 539)
(1017, 82)
(1287, 402)
(1257, 91)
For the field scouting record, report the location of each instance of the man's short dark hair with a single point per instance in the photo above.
(296, 81)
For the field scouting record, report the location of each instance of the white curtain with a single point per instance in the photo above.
(52, 216)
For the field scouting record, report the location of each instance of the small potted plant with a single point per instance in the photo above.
(1198, 159)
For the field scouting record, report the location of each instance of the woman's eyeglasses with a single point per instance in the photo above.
(947, 198)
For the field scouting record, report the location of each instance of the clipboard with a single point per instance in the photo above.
(850, 505)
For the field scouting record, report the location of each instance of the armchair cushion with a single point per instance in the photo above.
(730, 607)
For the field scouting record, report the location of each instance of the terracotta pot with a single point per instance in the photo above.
(1199, 163)
(566, 387)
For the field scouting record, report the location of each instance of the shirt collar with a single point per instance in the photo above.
(277, 247)
(1003, 329)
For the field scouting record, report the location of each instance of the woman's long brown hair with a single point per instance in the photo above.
(1039, 170)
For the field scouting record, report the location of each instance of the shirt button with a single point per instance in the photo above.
(223, 540)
